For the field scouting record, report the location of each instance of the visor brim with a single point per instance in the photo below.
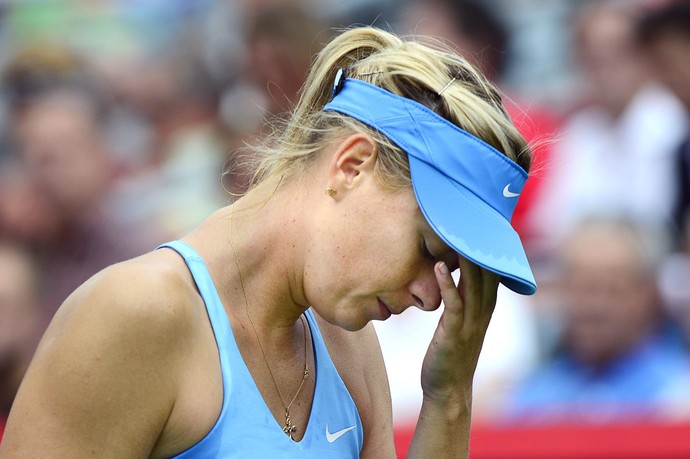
(471, 227)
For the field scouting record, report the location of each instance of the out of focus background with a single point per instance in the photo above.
(123, 122)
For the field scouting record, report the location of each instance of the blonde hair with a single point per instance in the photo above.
(406, 68)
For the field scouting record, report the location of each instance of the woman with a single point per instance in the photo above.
(202, 347)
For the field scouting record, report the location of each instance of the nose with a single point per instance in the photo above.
(425, 292)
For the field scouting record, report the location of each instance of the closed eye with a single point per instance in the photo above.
(425, 250)
(447, 255)
(451, 261)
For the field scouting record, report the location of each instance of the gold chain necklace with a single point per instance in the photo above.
(289, 428)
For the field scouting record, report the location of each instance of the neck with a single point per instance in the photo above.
(257, 247)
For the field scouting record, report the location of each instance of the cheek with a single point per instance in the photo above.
(366, 246)
(359, 265)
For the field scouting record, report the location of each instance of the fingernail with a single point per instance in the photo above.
(443, 269)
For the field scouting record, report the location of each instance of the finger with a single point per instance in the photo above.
(449, 291)
(470, 288)
(449, 294)
(489, 293)
(490, 283)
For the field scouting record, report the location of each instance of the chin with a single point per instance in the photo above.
(353, 328)
(345, 319)
(352, 323)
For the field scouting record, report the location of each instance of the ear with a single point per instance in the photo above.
(353, 159)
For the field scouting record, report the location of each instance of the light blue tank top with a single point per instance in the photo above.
(246, 428)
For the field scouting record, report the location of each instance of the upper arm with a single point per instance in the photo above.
(378, 416)
(360, 363)
(102, 381)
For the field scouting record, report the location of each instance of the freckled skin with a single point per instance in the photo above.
(382, 233)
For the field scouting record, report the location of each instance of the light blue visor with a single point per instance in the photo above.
(466, 189)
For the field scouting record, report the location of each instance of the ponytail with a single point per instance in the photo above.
(436, 77)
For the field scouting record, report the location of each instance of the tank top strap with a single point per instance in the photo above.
(207, 290)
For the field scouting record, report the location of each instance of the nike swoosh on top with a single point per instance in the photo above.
(509, 194)
(331, 437)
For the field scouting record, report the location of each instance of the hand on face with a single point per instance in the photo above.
(453, 353)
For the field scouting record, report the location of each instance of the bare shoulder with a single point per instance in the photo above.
(104, 378)
(153, 288)
(357, 356)
(144, 300)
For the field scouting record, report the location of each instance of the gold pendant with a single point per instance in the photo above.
(289, 427)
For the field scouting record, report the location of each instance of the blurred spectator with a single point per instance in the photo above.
(281, 41)
(19, 329)
(466, 25)
(674, 286)
(30, 70)
(67, 171)
(25, 214)
(179, 183)
(34, 69)
(666, 34)
(152, 69)
(618, 359)
(614, 154)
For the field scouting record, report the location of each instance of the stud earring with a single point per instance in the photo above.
(331, 192)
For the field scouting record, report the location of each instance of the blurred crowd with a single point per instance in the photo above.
(124, 123)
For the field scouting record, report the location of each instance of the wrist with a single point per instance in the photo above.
(453, 407)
